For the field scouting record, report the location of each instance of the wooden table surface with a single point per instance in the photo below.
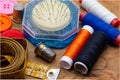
(106, 68)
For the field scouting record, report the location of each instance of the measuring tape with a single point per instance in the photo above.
(15, 66)
(41, 71)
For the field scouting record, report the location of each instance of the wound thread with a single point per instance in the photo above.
(94, 7)
(75, 47)
(100, 25)
(90, 53)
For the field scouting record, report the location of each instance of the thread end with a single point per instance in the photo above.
(81, 67)
(82, 15)
(66, 62)
(117, 40)
(115, 22)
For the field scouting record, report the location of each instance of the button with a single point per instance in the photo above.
(13, 33)
(5, 22)
(6, 6)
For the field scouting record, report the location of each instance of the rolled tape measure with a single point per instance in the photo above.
(5, 22)
(14, 67)
(14, 64)
(13, 33)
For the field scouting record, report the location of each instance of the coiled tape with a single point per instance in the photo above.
(14, 67)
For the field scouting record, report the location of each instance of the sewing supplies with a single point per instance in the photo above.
(17, 50)
(5, 22)
(67, 24)
(18, 11)
(42, 71)
(46, 53)
(100, 25)
(90, 53)
(6, 6)
(12, 33)
(94, 7)
(75, 47)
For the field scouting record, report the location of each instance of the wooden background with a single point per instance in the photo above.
(106, 68)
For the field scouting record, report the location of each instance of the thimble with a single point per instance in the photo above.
(45, 52)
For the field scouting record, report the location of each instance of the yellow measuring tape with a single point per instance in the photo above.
(14, 64)
(13, 67)
(38, 71)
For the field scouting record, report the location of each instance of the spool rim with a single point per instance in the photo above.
(117, 40)
(66, 62)
(115, 22)
(89, 28)
(80, 1)
(84, 71)
(82, 15)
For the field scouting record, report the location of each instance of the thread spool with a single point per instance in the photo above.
(18, 11)
(94, 7)
(75, 47)
(45, 52)
(90, 53)
(100, 25)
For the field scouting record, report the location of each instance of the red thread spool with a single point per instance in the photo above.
(76, 46)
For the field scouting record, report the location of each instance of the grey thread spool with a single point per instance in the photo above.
(18, 11)
(46, 53)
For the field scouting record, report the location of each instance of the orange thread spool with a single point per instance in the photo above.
(76, 46)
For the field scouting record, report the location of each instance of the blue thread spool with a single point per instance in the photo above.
(100, 25)
(59, 36)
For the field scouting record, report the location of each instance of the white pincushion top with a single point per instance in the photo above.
(51, 15)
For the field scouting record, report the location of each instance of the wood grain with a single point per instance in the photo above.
(106, 68)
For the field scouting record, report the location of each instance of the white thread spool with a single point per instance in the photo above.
(51, 15)
(94, 7)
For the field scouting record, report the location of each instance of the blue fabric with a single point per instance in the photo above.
(50, 43)
(100, 25)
